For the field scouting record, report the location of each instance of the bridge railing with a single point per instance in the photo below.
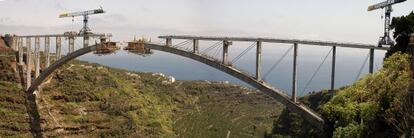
(277, 40)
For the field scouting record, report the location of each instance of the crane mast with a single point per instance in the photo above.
(387, 5)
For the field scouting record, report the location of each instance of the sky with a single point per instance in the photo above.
(331, 20)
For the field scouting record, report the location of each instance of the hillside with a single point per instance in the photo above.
(85, 99)
(14, 118)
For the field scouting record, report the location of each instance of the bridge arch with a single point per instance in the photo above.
(264, 87)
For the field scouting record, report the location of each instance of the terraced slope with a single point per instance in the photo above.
(85, 99)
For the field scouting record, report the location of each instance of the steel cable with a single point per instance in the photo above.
(277, 63)
(179, 45)
(362, 67)
(211, 47)
(243, 53)
(316, 72)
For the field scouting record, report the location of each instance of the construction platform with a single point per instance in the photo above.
(107, 48)
(138, 47)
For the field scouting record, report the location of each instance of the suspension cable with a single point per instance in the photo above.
(316, 72)
(216, 53)
(277, 63)
(181, 44)
(185, 47)
(243, 53)
(162, 42)
(211, 47)
(362, 67)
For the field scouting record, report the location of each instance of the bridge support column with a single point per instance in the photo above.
(371, 61)
(37, 57)
(258, 59)
(28, 63)
(168, 42)
(71, 44)
(21, 51)
(14, 43)
(47, 49)
(195, 46)
(295, 70)
(58, 47)
(226, 45)
(85, 41)
(333, 68)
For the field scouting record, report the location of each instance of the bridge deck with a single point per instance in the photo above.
(277, 40)
(66, 35)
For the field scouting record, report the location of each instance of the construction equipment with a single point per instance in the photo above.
(386, 39)
(138, 47)
(106, 48)
(85, 14)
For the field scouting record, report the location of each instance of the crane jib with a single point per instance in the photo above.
(384, 4)
(83, 13)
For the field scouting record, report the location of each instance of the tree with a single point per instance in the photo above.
(403, 26)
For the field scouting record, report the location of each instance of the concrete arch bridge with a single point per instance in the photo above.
(223, 64)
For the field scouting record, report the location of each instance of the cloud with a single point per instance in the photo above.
(115, 18)
(109, 19)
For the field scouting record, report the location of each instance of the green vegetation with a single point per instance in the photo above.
(375, 105)
(224, 109)
(97, 101)
(7, 66)
(14, 121)
(89, 100)
(378, 105)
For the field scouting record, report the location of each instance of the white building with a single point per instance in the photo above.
(171, 79)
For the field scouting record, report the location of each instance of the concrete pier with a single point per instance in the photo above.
(371, 61)
(47, 51)
(14, 43)
(28, 63)
(85, 41)
(58, 47)
(258, 59)
(295, 70)
(333, 68)
(195, 46)
(21, 51)
(37, 57)
(226, 45)
(71, 44)
(168, 42)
